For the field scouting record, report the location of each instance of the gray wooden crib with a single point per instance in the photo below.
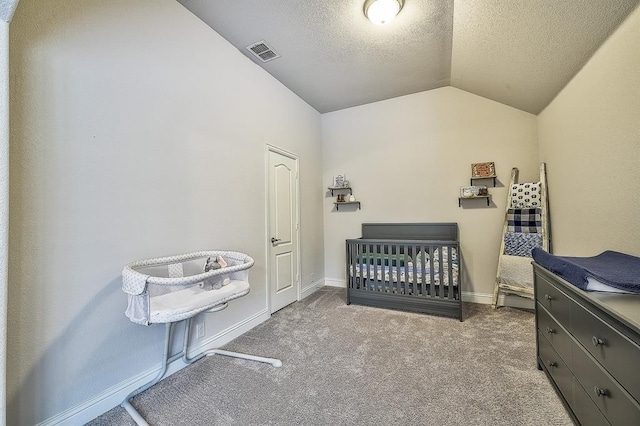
(406, 266)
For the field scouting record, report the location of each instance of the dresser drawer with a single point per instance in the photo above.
(616, 404)
(555, 334)
(617, 354)
(556, 367)
(554, 301)
(585, 409)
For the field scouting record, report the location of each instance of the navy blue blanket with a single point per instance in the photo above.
(616, 269)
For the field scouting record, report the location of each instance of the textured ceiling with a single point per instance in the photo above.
(518, 52)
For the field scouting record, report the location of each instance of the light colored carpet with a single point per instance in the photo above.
(355, 365)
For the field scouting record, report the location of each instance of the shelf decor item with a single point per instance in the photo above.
(466, 191)
(338, 181)
(483, 170)
(473, 191)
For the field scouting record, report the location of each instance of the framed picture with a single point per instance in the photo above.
(338, 181)
(483, 170)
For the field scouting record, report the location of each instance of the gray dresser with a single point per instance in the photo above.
(589, 346)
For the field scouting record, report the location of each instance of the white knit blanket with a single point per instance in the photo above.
(516, 271)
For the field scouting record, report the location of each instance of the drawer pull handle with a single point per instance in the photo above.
(597, 341)
(600, 392)
(550, 330)
(552, 364)
(549, 298)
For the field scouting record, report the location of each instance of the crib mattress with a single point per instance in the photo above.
(404, 274)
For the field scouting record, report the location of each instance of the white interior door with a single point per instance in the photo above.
(283, 229)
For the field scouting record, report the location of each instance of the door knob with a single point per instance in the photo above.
(274, 240)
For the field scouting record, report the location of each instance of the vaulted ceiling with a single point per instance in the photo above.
(517, 52)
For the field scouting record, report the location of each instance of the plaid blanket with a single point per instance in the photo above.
(528, 221)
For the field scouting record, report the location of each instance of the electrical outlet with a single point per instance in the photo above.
(200, 330)
(312, 276)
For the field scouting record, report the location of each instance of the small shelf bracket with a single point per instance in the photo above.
(345, 188)
(337, 204)
(488, 197)
(493, 178)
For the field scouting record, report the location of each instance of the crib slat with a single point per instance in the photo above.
(414, 279)
(421, 277)
(364, 263)
(348, 267)
(353, 263)
(432, 282)
(395, 286)
(450, 271)
(441, 263)
(440, 273)
(366, 259)
(374, 272)
(358, 261)
(364, 273)
(441, 269)
(349, 263)
(423, 268)
(389, 283)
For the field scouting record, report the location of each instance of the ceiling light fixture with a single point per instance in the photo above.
(382, 11)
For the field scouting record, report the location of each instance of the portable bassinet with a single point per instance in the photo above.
(172, 289)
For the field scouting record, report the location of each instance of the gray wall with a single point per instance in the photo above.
(136, 132)
(590, 138)
(407, 158)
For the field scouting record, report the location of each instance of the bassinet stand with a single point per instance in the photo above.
(236, 288)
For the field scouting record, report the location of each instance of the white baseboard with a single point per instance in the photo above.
(516, 302)
(467, 296)
(311, 288)
(112, 397)
(487, 299)
(335, 282)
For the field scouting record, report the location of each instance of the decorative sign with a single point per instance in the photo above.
(483, 170)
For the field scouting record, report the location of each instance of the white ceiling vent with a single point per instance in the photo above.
(263, 51)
